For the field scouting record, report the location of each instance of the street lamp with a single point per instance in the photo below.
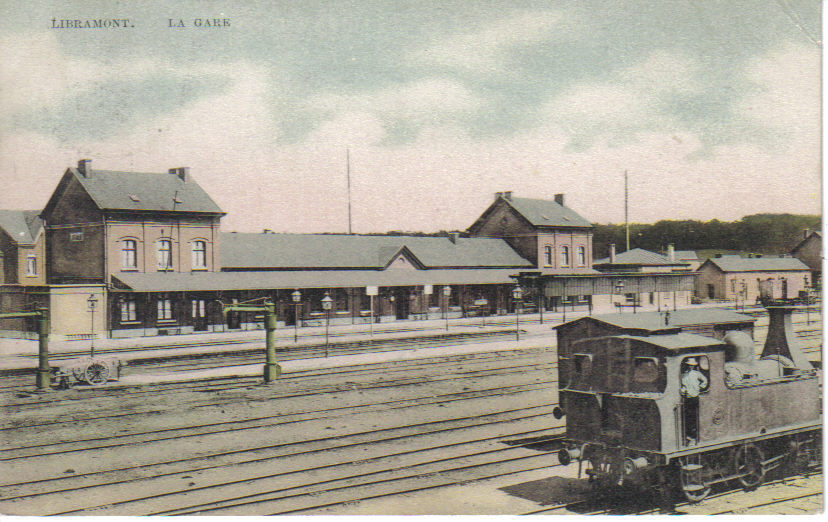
(327, 303)
(92, 303)
(446, 295)
(517, 293)
(807, 301)
(619, 287)
(297, 298)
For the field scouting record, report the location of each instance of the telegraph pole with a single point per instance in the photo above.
(348, 174)
(626, 210)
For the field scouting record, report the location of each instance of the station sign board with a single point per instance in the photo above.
(371, 290)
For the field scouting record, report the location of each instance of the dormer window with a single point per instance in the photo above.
(31, 265)
(177, 200)
(134, 198)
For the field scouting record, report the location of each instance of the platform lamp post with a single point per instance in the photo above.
(517, 293)
(619, 287)
(297, 298)
(92, 304)
(807, 301)
(446, 295)
(327, 304)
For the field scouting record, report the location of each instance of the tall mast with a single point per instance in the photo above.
(626, 210)
(348, 174)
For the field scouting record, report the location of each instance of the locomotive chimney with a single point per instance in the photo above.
(781, 339)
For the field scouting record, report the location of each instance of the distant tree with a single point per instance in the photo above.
(760, 233)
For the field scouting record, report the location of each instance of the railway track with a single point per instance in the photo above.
(307, 450)
(307, 377)
(647, 504)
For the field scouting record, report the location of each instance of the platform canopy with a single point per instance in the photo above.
(211, 281)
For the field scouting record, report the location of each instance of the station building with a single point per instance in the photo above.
(124, 254)
(736, 278)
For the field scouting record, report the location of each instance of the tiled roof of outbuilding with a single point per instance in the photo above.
(543, 213)
(638, 256)
(331, 251)
(116, 190)
(21, 225)
(757, 264)
(686, 255)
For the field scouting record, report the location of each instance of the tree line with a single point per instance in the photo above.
(757, 233)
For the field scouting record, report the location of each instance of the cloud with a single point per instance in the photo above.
(34, 72)
(487, 48)
(632, 100)
(787, 97)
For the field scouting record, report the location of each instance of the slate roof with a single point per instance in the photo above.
(332, 251)
(117, 190)
(816, 234)
(686, 255)
(654, 321)
(544, 213)
(638, 256)
(252, 280)
(21, 225)
(756, 264)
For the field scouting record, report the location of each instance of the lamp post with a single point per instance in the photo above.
(446, 295)
(297, 298)
(327, 303)
(807, 301)
(619, 287)
(92, 303)
(517, 293)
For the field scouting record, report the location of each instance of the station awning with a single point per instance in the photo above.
(211, 281)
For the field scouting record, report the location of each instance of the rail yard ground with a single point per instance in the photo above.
(414, 425)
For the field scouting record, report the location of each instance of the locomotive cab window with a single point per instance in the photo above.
(695, 375)
(582, 363)
(645, 369)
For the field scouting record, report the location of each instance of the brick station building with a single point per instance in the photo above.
(149, 248)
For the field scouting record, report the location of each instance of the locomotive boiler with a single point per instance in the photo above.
(652, 405)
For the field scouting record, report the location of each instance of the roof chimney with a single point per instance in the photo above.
(805, 233)
(498, 195)
(85, 167)
(508, 195)
(559, 199)
(612, 253)
(453, 236)
(671, 252)
(182, 172)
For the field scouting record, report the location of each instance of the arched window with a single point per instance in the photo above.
(547, 254)
(581, 256)
(199, 254)
(164, 254)
(564, 256)
(129, 254)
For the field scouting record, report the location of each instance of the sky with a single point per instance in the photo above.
(712, 107)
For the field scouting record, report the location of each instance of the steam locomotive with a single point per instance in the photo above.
(685, 404)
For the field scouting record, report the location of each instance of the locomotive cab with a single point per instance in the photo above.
(639, 408)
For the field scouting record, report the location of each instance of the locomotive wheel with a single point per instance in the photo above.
(96, 373)
(691, 476)
(748, 463)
